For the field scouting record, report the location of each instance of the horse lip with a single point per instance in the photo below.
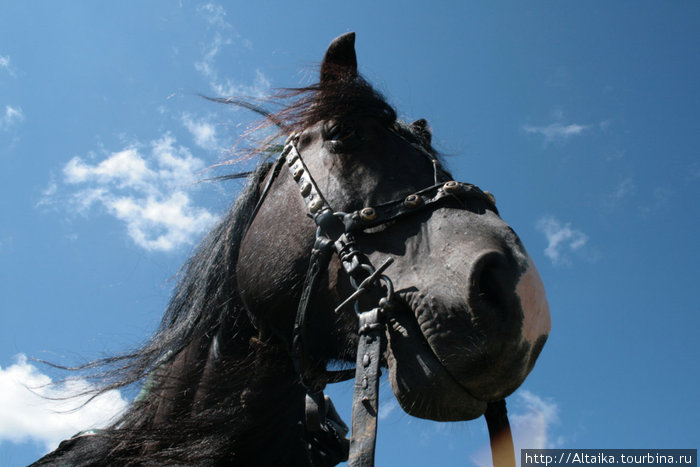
(403, 322)
(425, 344)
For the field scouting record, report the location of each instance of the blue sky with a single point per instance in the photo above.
(582, 118)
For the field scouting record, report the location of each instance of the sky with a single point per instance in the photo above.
(583, 118)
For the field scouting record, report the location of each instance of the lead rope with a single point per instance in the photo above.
(500, 437)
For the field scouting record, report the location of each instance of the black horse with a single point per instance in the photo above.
(355, 245)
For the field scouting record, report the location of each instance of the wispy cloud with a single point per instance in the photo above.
(224, 87)
(623, 190)
(531, 418)
(660, 196)
(562, 239)
(150, 191)
(387, 408)
(11, 116)
(215, 15)
(6, 66)
(203, 132)
(34, 409)
(556, 132)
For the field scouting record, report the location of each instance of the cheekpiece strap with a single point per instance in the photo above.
(366, 390)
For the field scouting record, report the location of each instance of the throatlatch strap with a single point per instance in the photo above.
(365, 398)
(501, 439)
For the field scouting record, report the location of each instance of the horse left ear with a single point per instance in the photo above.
(340, 61)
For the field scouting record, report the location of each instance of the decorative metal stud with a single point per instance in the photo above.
(290, 138)
(315, 205)
(368, 214)
(366, 360)
(297, 173)
(292, 158)
(451, 187)
(490, 196)
(412, 201)
(305, 189)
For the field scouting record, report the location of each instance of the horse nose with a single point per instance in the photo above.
(492, 282)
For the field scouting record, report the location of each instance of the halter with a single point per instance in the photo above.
(335, 233)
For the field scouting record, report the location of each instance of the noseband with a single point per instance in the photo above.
(335, 233)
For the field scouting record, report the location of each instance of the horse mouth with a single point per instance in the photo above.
(422, 384)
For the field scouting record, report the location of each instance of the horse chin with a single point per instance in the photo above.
(421, 384)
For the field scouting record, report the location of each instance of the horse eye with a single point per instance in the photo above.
(341, 137)
(338, 132)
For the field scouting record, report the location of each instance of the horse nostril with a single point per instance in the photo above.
(492, 281)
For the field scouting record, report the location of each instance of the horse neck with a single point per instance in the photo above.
(243, 403)
(242, 406)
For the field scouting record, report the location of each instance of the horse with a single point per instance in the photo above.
(355, 245)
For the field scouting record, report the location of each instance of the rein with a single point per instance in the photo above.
(335, 233)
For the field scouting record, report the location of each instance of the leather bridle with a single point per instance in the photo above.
(335, 233)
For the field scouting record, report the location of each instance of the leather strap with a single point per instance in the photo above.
(365, 399)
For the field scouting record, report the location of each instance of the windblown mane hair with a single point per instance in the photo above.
(207, 329)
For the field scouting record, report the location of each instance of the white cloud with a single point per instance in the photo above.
(561, 239)
(34, 409)
(556, 131)
(11, 116)
(203, 132)
(149, 191)
(531, 420)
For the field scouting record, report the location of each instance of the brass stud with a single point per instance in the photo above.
(292, 158)
(297, 173)
(368, 214)
(305, 189)
(412, 201)
(315, 205)
(451, 187)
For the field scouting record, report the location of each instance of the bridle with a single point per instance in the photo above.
(335, 233)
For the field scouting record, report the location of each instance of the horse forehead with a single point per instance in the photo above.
(380, 169)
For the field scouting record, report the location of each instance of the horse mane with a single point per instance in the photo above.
(206, 318)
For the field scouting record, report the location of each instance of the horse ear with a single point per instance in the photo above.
(422, 129)
(340, 61)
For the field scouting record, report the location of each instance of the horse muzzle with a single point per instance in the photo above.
(454, 347)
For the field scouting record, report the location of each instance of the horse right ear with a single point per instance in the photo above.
(422, 129)
(340, 61)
